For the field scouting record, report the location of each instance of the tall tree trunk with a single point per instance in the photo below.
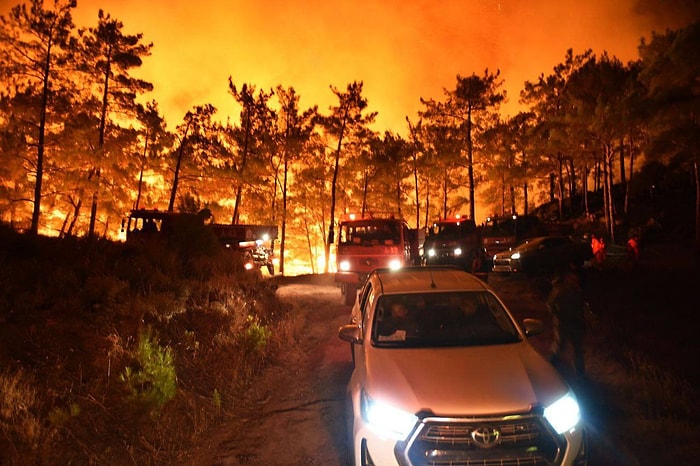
(283, 240)
(309, 243)
(427, 201)
(41, 146)
(444, 194)
(244, 160)
(470, 163)
(331, 226)
(572, 185)
(609, 203)
(176, 178)
(629, 178)
(139, 188)
(414, 153)
(623, 178)
(417, 192)
(560, 184)
(552, 183)
(398, 198)
(100, 147)
(503, 194)
(586, 173)
(365, 187)
(178, 164)
(525, 199)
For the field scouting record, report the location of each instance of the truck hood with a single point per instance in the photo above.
(467, 381)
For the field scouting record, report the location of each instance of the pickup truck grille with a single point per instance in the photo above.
(522, 440)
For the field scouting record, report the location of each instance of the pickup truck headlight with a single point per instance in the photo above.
(386, 419)
(564, 413)
(515, 256)
(431, 252)
(395, 264)
(458, 251)
(344, 266)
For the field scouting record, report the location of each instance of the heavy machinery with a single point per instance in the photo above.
(253, 243)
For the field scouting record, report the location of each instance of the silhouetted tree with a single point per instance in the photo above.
(670, 70)
(35, 46)
(345, 122)
(254, 132)
(470, 107)
(109, 57)
(553, 137)
(154, 139)
(295, 131)
(194, 137)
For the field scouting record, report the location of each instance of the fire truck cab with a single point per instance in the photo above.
(454, 241)
(371, 241)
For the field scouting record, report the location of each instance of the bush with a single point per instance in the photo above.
(152, 380)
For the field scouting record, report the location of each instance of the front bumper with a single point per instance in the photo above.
(352, 278)
(521, 440)
(505, 265)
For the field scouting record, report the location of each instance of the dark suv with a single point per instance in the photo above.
(454, 241)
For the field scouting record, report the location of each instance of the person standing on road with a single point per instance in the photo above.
(567, 306)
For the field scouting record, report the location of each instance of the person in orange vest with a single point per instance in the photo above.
(598, 248)
(633, 248)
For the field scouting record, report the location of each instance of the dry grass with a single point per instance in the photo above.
(95, 337)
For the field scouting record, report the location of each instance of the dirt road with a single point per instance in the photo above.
(296, 414)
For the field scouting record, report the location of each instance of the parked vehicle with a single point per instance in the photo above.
(501, 233)
(542, 254)
(370, 241)
(454, 241)
(443, 374)
(252, 243)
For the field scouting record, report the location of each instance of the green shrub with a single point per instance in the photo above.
(152, 380)
(255, 336)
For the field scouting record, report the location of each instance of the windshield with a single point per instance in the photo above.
(441, 319)
(453, 230)
(499, 227)
(367, 233)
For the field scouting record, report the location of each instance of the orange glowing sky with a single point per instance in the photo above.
(401, 49)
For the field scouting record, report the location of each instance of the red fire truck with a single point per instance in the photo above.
(371, 241)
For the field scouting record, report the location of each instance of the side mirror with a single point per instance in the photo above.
(533, 327)
(350, 333)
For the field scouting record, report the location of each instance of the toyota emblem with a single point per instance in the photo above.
(486, 437)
